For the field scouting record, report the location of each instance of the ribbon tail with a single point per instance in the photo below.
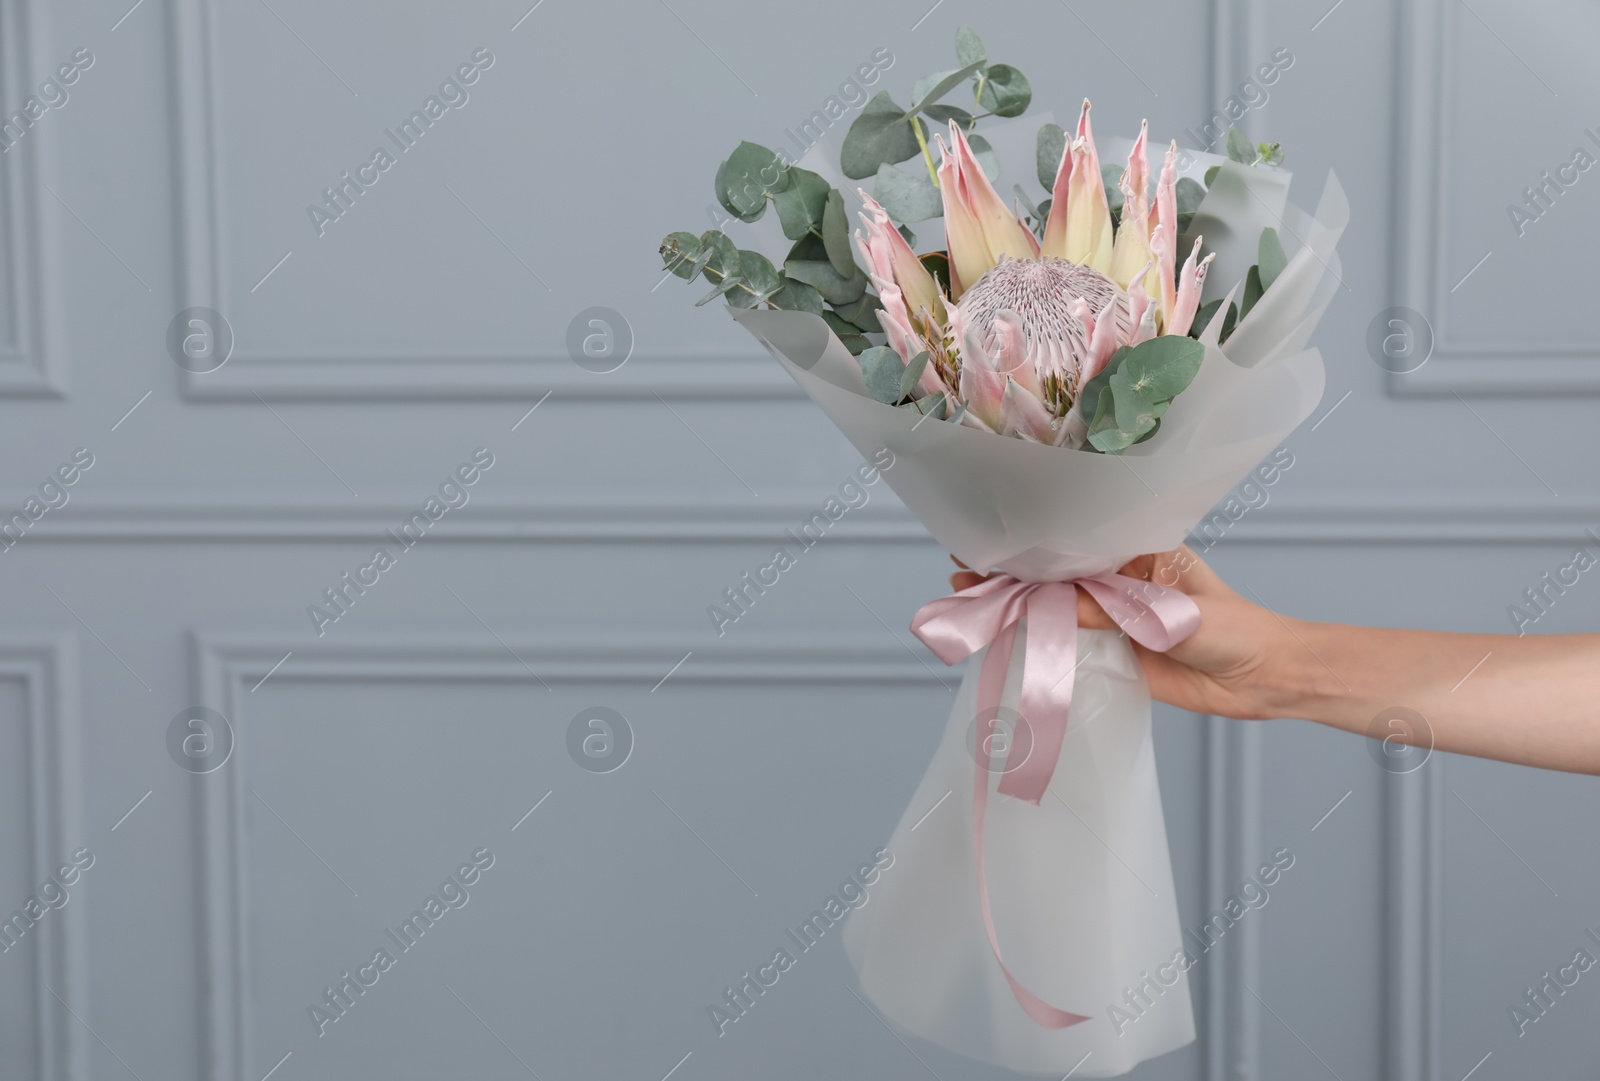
(991, 681)
(1049, 663)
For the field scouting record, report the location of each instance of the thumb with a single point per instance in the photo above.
(1091, 615)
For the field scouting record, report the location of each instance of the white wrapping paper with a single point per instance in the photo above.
(1081, 885)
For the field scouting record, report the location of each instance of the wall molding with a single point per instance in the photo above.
(31, 365)
(1425, 71)
(1416, 522)
(205, 279)
(1232, 785)
(1414, 925)
(227, 666)
(47, 668)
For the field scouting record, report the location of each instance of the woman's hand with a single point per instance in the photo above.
(1232, 666)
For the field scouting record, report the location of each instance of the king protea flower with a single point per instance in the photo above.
(1027, 322)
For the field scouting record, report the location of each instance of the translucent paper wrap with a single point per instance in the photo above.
(1081, 884)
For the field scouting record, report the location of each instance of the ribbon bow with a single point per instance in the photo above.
(987, 614)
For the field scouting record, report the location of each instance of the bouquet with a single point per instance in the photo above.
(1061, 392)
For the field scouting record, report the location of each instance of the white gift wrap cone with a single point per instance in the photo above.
(1080, 887)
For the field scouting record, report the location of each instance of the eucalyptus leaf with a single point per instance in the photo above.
(1006, 91)
(1211, 174)
(1027, 204)
(758, 280)
(718, 255)
(836, 235)
(1111, 177)
(882, 133)
(1203, 317)
(1049, 148)
(796, 296)
(1252, 291)
(1239, 148)
(882, 368)
(1189, 193)
(678, 252)
(800, 205)
(1230, 319)
(943, 114)
(744, 182)
(930, 88)
(934, 404)
(906, 194)
(840, 326)
(1135, 388)
(1102, 381)
(913, 372)
(969, 46)
(863, 314)
(1270, 259)
(1159, 369)
(1135, 412)
(911, 238)
(808, 262)
(728, 283)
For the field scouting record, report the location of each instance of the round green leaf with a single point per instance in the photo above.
(1051, 148)
(864, 314)
(930, 88)
(882, 133)
(882, 368)
(1006, 91)
(717, 255)
(969, 46)
(678, 253)
(907, 195)
(1270, 258)
(758, 280)
(1189, 193)
(1111, 178)
(808, 262)
(1239, 148)
(1158, 370)
(800, 204)
(836, 235)
(944, 114)
(751, 174)
(796, 296)
(913, 372)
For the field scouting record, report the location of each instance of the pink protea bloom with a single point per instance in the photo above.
(1026, 323)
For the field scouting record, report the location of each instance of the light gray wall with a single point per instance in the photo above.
(424, 725)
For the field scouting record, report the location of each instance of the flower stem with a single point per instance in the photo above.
(927, 158)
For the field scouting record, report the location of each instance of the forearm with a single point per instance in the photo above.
(1531, 700)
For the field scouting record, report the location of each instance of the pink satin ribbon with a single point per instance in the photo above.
(987, 614)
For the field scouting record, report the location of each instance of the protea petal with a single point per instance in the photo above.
(1191, 279)
(1079, 226)
(1140, 303)
(1146, 328)
(1131, 249)
(1105, 339)
(896, 326)
(1164, 237)
(982, 389)
(979, 229)
(890, 258)
(1023, 414)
